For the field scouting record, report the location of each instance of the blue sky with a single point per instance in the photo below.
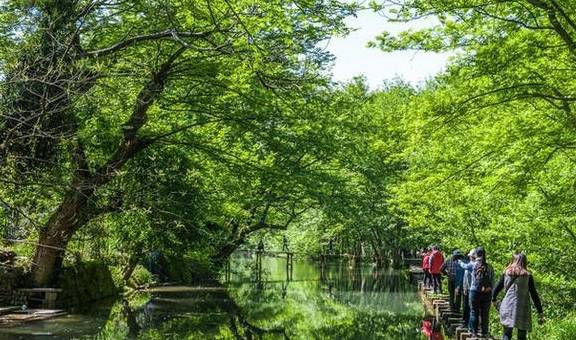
(354, 58)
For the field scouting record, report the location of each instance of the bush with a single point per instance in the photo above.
(558, 329)
(191, 269)
(140, 277)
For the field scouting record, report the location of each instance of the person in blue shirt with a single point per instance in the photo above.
(481, 285)
(455, 274)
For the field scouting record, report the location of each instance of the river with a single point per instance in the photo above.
(333, 302)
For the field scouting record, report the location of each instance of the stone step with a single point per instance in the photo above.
(451, 315)
(460, 331)
(437, 300)
(452, 328)
(469, 336)
(456, 320)
(441, 303)
(433, 296)
(440, 312)
(444, 310)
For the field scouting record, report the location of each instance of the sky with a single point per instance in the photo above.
(353, 58)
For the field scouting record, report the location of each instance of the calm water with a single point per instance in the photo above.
(334, 303)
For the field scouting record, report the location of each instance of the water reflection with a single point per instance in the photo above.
(332, 301)
(311, 302)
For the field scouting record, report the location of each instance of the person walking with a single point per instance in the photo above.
(436, 260)
(285, 243)
(480, 292)
(455, 275)
(466, 283)
(515, 309)
(426, 269)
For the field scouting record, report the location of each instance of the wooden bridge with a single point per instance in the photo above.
(324, 258)
(330, 255)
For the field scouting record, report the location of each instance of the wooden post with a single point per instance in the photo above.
(51, 299)
(289, 265)
(259, 265)
(227, 271)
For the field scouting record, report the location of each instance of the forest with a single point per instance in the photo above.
(196, 128)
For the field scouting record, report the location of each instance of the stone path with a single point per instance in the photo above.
(439, 306)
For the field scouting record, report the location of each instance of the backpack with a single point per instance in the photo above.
(484, 279)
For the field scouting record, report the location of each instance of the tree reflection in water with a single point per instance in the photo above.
(333, 303)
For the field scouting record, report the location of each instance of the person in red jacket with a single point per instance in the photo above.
(435, 262)
(426, 268)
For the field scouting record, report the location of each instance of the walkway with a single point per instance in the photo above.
(438, 306)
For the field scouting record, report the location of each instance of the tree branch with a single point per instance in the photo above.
(167, 34)
(131, 144)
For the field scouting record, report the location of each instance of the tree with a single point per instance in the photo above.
(89, 85)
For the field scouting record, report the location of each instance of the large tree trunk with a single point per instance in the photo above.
(54, 237)
(47, 259)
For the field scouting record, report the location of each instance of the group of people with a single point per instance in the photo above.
(471, 287)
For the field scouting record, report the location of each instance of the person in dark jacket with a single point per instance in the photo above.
(515, 310)
(455, 275)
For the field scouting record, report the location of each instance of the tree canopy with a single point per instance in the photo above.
(193, 128)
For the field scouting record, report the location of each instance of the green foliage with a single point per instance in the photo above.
(243, 136)
(180, 127)
(564, 328)
(140, 278)
(489, 142)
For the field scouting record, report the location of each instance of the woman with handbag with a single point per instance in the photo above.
(515, 310)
